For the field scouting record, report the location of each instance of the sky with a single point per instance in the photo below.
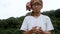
(17, 8)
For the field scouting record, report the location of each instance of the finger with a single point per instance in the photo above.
(35, 26)
(40, 28)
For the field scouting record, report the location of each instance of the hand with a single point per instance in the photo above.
(34, 28)
(30, 31)
(38, 30)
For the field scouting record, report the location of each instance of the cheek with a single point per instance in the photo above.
(33, 8)
(40, 7)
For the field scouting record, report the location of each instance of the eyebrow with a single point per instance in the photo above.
(37, 3)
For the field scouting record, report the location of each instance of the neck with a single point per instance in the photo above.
(36, 14)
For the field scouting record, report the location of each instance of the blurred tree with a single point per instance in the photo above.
(57, 13)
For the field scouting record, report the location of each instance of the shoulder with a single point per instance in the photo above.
(45, 16)
(27, 17)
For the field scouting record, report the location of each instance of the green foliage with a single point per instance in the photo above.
(57, 13)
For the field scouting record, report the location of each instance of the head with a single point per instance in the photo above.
(35, 5)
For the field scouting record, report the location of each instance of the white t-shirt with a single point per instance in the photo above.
(42, 21)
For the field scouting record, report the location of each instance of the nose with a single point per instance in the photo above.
(36, 6)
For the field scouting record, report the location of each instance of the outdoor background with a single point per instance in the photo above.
(13, 12)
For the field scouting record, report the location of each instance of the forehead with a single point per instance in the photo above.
(40, 2)
(36, 3)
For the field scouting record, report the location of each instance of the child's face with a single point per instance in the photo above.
(37, 6)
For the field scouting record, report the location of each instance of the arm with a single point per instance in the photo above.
(28, 32)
